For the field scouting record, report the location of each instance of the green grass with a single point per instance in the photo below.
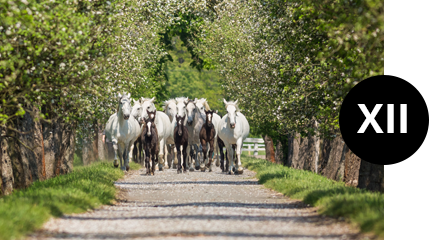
(85, 188)
(77, 161)
(362, 208)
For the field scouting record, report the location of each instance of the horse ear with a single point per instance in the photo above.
(235, 103)
(224, 101)
(140, 100)
(153, 99)
(129, 95)
(119, 95)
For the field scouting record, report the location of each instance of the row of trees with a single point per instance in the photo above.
(291, 63)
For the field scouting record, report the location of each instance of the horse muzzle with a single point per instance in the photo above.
(210, 125)
(180, 133)
(232, 125)
(190, 123)
(126, 117)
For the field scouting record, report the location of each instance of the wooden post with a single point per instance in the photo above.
(255, 151)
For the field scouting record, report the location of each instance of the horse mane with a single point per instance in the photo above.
(205, 103)
(167, 102)
(124, 96)
(231, 103)
(145, 99)
(181, 99)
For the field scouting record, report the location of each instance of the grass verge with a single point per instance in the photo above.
(360, 207)
(87, 187)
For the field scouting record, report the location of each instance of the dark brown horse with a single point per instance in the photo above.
(181, 139)
(222, 155)
(207, 135)
(138, 148)
(150, 143)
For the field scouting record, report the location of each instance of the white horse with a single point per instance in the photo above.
(202, 105)
(195, 121)
(170, 109)
(123, 131)
(233, 129)
(162, 122)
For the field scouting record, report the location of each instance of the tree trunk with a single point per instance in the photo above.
(269, 148)
(371, 176)
(280, 157)
(6, 173)
(100, 144)
(95, 141)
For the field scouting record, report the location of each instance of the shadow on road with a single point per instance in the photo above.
(191, 182)
(194, 234)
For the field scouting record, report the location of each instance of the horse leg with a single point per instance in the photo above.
(121, 154)
(130, 153)
(175, 155)
(126, 157)
(189, 157)
(179, 164)
(210, 155)
(185, 155)
(204, 144)
(139, 152)
(169, 156)
(135, 152)
(230, 158)
(147, 161)
(216, 149)
(239, 168)
(115, 149)
(152, 157)
(161, 154)
(197, 160)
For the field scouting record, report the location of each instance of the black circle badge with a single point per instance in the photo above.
(384, 120)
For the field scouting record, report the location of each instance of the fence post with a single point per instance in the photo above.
(255, 152)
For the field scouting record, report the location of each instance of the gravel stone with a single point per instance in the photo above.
(197, 205)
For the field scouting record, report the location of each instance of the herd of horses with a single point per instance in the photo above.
(184, 125)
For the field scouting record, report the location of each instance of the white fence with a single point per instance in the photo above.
(253, 144)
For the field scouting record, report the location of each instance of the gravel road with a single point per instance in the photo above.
(197, 205)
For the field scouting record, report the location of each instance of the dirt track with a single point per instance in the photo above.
(199, 206)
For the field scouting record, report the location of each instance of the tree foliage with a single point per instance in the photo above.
(291, 63)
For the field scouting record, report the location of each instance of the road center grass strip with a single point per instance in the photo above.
(361, 207)
(87, 187)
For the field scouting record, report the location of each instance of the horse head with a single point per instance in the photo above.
(209, 118)
(124, 105)
(137, 110)
(181, 106)
(150, 122)
(232, 109)
(170, 108)
(179, 122)
(202, 104)
(191, 109)
(146, 105)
